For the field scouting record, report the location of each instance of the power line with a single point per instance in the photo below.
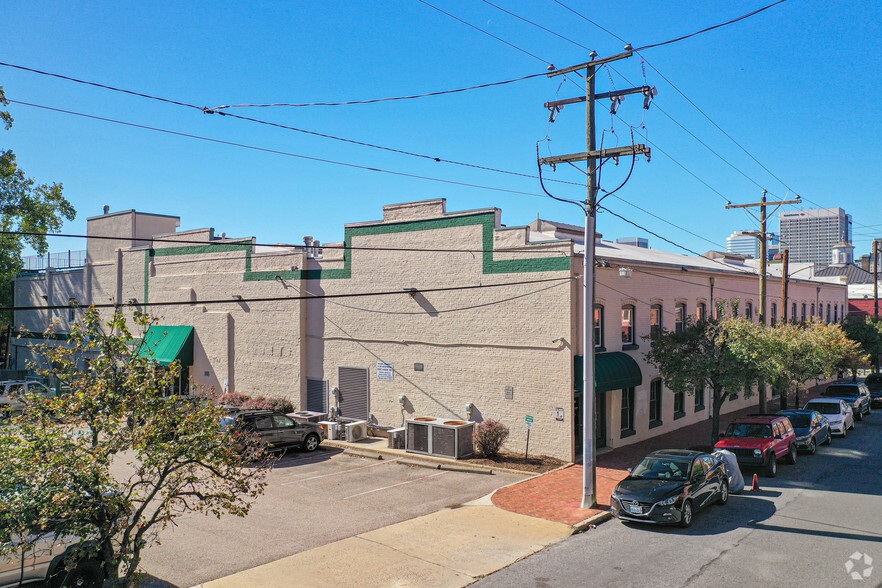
(508, 12)
(208, 110)
(376, 100)
(135, 302)
(480, 30)
(277, 152)
(717, 26)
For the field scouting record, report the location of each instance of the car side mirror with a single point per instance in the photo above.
(629, 470)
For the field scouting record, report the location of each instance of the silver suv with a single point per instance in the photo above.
(45, 563)
(14, 392)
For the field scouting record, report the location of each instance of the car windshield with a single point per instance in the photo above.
(844, 391)
(800, 419)
(655, 468)
(755, 430)
(826, 407)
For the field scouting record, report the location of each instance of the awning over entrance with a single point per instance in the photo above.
(612, 371)
(166, 344)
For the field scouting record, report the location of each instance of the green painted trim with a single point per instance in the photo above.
(486, 220)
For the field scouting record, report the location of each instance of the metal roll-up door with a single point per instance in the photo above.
(354, 393)
(316, 395)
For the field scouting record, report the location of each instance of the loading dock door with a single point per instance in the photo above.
(354, 401)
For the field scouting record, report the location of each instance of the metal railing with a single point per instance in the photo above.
(60, 260)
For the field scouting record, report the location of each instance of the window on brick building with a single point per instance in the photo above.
(655, 320)
(628, 410)
(628, 335)
(655, 403)
(680, 317)
(598, 325)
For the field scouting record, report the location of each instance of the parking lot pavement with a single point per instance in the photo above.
(311, 500)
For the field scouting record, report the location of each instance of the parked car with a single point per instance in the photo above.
(855, 393)
(45, 563)
(873, 382)
(837, 412)
(811, 427)
(761, 440)
(13, 393)
(669, 487)
(277, 430)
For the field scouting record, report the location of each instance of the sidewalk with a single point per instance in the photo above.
(455, 547)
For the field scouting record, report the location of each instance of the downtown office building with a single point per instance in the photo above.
(811, 235)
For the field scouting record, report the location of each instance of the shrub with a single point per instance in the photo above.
(232, 398)
(489, 437)
(268, 403)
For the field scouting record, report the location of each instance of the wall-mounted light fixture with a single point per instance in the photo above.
(402, 400)
(237, 297)
(470, 408)
(625, 272)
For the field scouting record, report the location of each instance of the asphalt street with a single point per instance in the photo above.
(802, 529)
(311, 500)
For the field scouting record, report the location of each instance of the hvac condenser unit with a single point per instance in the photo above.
(396, 438)
(356, 431)
(309, 416)
(444, 438)
(331, 429)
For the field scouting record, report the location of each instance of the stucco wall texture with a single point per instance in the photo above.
(466, 311)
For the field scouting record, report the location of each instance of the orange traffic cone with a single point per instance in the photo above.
(755, 487)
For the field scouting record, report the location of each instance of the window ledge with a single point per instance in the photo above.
(679, 415)
(630, 347)
(600, 349)
(699, 408)
(627, 433)
(654, 424)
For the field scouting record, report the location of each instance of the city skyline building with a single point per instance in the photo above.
(811, 235)
(746, 243)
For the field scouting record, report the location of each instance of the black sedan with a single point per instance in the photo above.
(874, 385)
(669, 486)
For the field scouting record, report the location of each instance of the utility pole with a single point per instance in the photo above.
(785, 259)
(591, 155)
(763, 238)
(875, 278)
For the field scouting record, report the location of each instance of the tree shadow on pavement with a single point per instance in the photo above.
(296, 457)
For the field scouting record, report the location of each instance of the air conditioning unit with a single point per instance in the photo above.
(396, 438)
(308, 416)
(331, 429)
(356, 431)
(445, 438)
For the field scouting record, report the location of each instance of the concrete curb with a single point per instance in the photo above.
(591, 521)
(429, 461)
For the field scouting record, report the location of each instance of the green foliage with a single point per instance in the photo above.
(114, 461)
(866, 331)
(25, 206)
(790, 354)
(700, 357)
(489, 436)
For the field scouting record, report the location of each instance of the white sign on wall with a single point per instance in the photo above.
(385, 371)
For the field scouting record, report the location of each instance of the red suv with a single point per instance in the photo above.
(761, 440)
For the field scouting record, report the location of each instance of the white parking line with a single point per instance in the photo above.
(398, 484)
(373, 465)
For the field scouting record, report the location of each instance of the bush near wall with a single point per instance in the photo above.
(248, 402)
(489, 436)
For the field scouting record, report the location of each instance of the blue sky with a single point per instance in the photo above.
(796, 86)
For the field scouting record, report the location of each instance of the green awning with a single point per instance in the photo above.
(166, 344)
(612, 371)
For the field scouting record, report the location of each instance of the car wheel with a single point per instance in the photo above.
(844, 431)
(724, 493)
(852, 426)
(791, 455)
(771, 465)
(829, 440)
(87, 574)
(812, 446)
(311, 442)
(686, 514)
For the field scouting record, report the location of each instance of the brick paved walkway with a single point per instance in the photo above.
(557, 496)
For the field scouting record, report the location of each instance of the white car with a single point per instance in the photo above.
(835, 410)
(13, 393)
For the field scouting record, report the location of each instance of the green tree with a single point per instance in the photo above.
(114, 461)
(25, 206)
(700, 357)
(867, 332)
